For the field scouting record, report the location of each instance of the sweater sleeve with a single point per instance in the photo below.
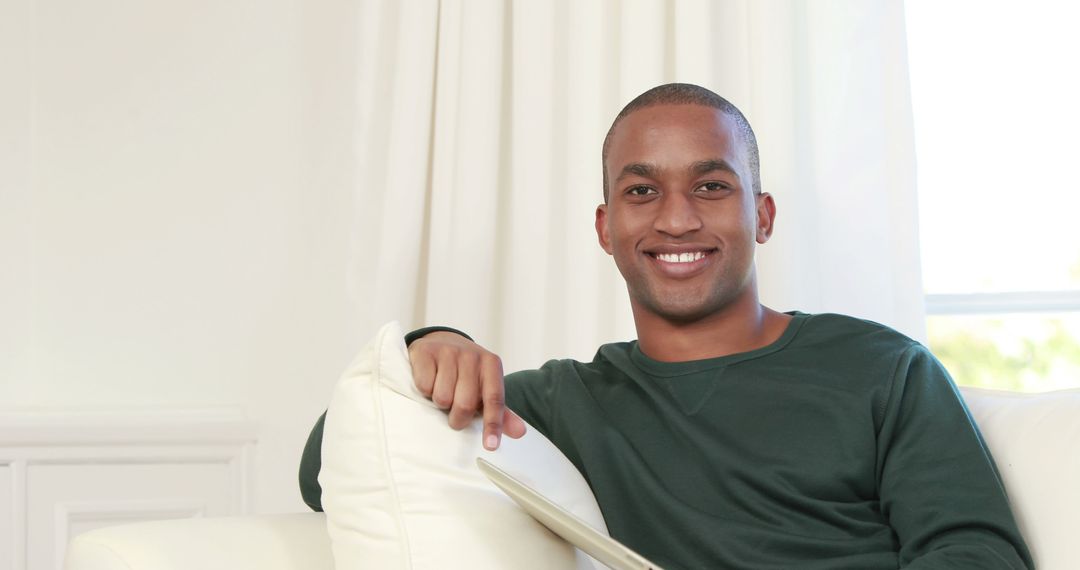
(311, 459)
(310, 465)
(939, 487)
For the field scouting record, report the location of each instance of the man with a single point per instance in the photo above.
(730, 435)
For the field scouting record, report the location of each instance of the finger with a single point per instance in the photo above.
(513, 425)
(423, 370)
(494, 402)
(442, 393)
(467, 391)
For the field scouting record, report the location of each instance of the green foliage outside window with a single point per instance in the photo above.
(1029, 353)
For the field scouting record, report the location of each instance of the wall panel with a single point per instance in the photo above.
(7, 517)
(67, 473)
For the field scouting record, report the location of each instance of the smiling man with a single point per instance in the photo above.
(730, 435)
(682, 214)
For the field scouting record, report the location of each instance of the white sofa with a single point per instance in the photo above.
(267, 542)
(1035, 439)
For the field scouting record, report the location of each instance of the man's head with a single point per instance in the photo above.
(683, 211)
(690, 94)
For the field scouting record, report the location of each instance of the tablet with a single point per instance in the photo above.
(562, 522)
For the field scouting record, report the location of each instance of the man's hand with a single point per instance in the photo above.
(461, 376)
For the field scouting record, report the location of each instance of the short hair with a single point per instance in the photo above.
(690, 94)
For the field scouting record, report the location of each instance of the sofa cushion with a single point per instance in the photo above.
(401, 488)
(1035, 441)
(267, 542)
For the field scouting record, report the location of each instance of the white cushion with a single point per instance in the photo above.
(267, 542)
(401, 488)
(1035, 441)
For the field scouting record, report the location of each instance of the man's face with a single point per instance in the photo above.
(681, 219)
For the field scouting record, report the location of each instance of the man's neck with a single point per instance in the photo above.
(742, 326)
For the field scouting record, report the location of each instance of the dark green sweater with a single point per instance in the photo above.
(842, 445)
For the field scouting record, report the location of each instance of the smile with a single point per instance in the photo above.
(681, 264)
(686, 257)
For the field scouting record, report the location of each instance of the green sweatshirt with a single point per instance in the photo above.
(841, 445)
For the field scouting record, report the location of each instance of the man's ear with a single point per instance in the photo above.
(766, 216)
(601, 228)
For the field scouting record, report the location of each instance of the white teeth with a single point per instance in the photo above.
(680, 257)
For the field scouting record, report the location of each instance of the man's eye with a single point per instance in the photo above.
(712, 187)
(640, 191)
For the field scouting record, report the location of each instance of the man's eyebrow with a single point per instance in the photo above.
(643, 169)
(706, 166)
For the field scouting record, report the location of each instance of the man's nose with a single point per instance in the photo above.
(677, 215)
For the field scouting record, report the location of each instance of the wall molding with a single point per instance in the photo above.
(104, 427)
(80, 440)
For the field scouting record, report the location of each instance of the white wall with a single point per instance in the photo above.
(174, 200)
(177, 176)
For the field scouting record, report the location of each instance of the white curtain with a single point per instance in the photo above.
(480, 126)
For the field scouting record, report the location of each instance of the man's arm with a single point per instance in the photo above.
(459, 375)
(939, 487)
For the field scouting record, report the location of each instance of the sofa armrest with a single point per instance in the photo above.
(1035, 441)
(266, 542)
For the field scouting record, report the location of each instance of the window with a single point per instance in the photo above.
(997, 129)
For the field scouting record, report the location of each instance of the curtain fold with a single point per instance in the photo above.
(479, 137)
